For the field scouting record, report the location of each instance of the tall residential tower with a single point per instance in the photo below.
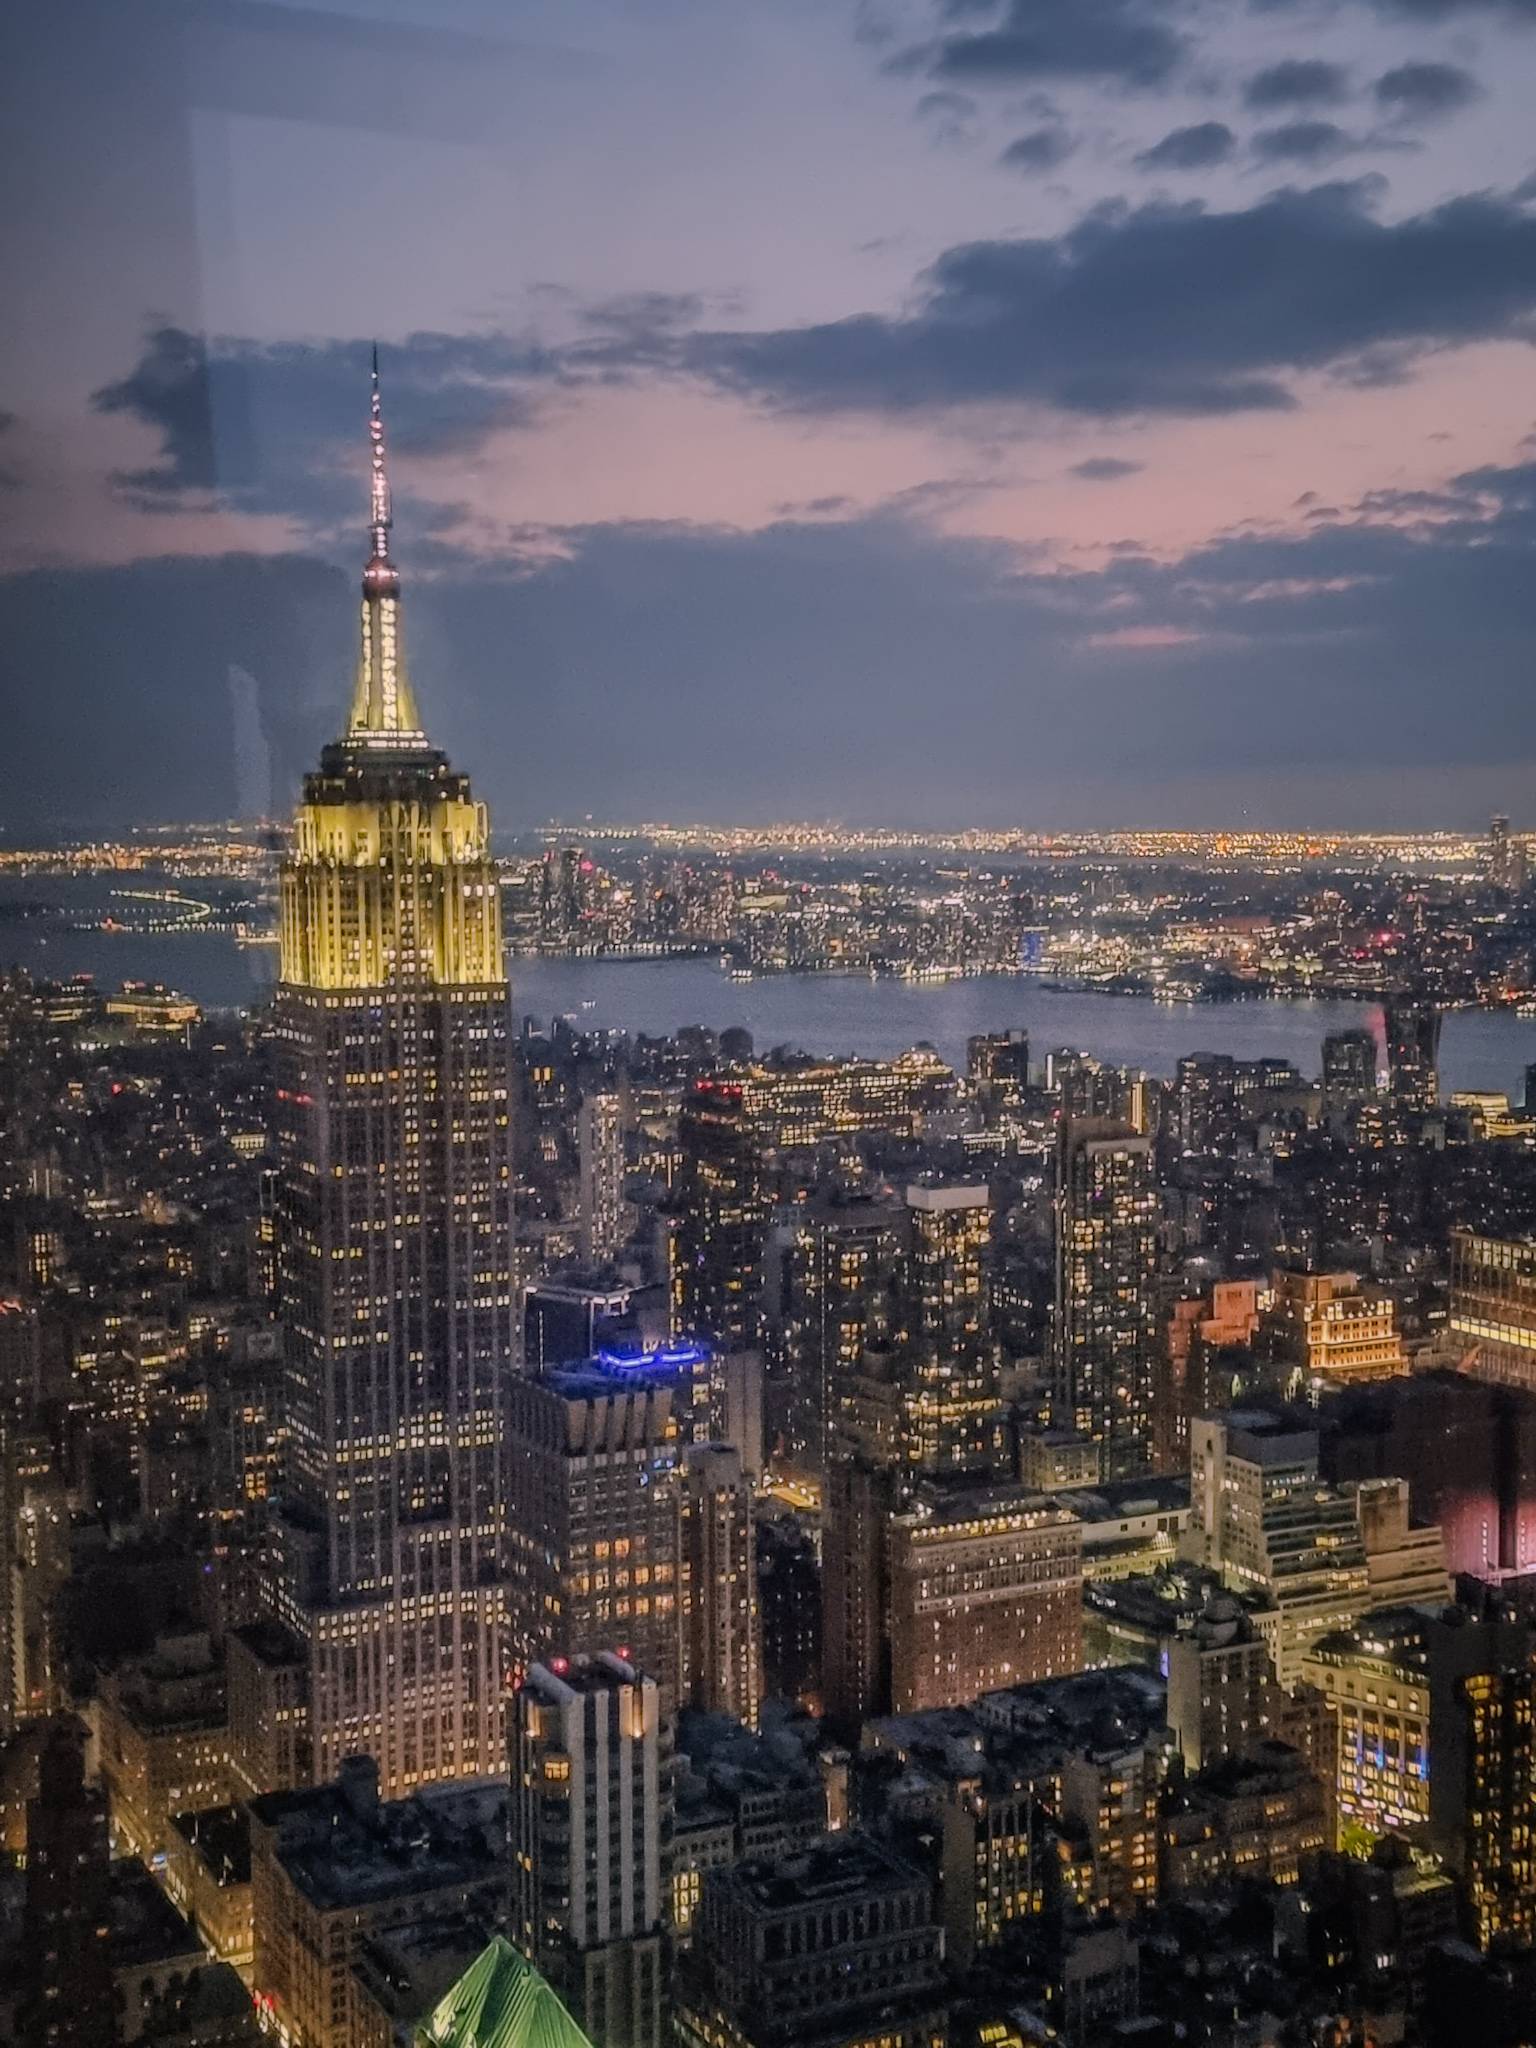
(395, 1237)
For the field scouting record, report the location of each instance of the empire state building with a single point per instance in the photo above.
(394, 1233)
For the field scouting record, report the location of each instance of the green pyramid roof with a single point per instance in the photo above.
(501, 2001)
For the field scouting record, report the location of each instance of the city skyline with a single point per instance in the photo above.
(1128, 419)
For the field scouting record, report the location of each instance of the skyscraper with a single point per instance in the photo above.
(950, 1398)
(836, 1274)
(986, 1590)
(600, 1158)
(1349, 1068)
(723, 1216)
(592, 1456)
(720, 1625)
(394, 1221)
(586, 1840)
(1413, 1053)
(1102, 1339)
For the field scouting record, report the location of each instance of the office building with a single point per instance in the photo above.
(985, 1590)
(836, 1275)
(1413, 1053)
(600, 1160)
(1493, 1306)
(1508, 857)
(1436, 1737)
(723, 1210)
(741, 1793)
(586, 1842)
(1315, 1556)
(1487, 1830)
(858, 1495)
(1466, 1446)
(831, 1946)
(1349, 1069)
(950, 1397)
(719, 1614)
(1103, 1334)
(997, 1068)
(1222, 1696)
(1333, 1330)
(164, 1741)
(593, 1453)
(1205, 1108)
(1197, 1363)
(567, 1320)
(394, 1231)
(334, 1865)
(1255, 1818)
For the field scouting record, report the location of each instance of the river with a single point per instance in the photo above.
(822, 1013)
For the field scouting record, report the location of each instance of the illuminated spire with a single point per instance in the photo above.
(381, 521)
(383, 708)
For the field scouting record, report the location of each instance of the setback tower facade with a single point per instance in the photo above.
(394, 1232)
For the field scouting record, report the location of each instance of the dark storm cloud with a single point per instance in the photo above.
(1161, 308)
(443, 393)
(1128, 42)
(1194, 148)
(1297, 82)
(640, 643)
(1301, 142)
(1042, 149)
(1424, 92)
(170, 390)
(1105, 469)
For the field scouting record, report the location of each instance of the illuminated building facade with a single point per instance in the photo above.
(836, 1277)
(394, 1231)
(950, 1399)
(600, 1157)
(1489, 1829)
(986, 1591)
(1493, 1305)
(586, 1840)
(720, 1632)
(1413, 1054)
(1103, 1338)
(593, 1462)
(1334, 1330)
(1317, 1556)
(1349, 1068)
(723, 1213)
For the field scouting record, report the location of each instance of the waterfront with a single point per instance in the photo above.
(821, 1013)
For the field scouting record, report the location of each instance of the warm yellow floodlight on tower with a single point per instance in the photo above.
(394, 1232)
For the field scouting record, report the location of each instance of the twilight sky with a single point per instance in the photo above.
(1051, 412)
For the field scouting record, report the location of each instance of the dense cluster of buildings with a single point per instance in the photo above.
(515, 1537)
(1179, 918)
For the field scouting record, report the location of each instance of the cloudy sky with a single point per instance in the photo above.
(1051, 412)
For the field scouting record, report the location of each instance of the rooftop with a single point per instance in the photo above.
(501, 2001)
(341, 1846)
(833, 1867)
(221, 1835)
